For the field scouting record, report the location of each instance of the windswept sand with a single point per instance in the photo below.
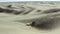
(9, 24)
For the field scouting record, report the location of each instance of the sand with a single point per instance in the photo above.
(9, 24)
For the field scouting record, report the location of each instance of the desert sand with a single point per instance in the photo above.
(16, 24)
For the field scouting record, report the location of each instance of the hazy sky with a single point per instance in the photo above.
(25, 0)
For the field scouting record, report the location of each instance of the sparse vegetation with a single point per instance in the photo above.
(9, 6)
(38, 10)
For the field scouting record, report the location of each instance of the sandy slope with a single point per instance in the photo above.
(9, 22)
(9, 26)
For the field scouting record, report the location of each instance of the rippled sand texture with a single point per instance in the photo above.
(14, 19)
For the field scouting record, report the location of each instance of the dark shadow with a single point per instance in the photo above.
(51, 11)
(17, 13)
(44, 24)
(28, 12)
(8, 11)
(31, 9)
(1, 10)
(9, 6)
(38, 10)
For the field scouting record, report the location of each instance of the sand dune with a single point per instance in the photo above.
(15, 16)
